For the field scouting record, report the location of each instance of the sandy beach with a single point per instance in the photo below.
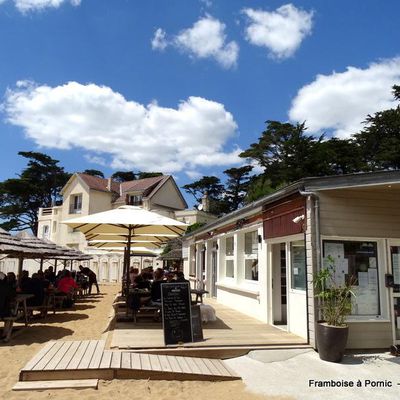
(90, 320)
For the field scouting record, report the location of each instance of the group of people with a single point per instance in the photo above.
(41, 283)
(149, 283)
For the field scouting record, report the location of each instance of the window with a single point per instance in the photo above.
(251, 256)
(75, 204)
(45, 232)
(135, 200)
(229, 254)
(298, 265)
(356, 261)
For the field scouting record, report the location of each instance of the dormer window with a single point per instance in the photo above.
(75, 204)
(135, 200)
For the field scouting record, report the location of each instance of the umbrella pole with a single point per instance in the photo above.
(128, 256)
(41, 264)
(55, 266)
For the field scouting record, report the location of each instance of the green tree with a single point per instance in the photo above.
(123, 176)
(236, 186)
(285, 152)
(38, 185)
(93, 172)
(210, 185)
(379, 141)
(143, 175)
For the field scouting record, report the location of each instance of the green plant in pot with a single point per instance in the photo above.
(334, 306)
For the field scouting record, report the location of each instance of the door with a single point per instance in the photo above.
(395, 290)
(279, 290)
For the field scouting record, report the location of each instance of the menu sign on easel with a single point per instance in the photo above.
(176, 313)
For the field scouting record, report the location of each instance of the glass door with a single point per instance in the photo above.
(395, 290)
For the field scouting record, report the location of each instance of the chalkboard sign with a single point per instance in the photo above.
(196, 324)
(176, 313)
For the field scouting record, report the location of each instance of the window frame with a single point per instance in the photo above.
(230, 257)
(251, 256)
(382, 269)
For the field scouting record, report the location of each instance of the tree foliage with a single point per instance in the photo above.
(38, 185)
(236, 186)
(93, 172)
(379, 141)
(126, 176)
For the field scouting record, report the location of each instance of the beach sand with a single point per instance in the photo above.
(90, 320)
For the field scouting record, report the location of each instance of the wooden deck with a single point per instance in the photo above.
(233, 334)
(88, 359)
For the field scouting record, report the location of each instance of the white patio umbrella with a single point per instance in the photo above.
(127, 221)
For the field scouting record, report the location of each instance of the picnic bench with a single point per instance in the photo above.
(18, 309)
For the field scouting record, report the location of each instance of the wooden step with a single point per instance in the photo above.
(87, 359)
(60, 384)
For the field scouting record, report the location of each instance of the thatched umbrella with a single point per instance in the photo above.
(51, 250)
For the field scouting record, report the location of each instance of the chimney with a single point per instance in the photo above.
(109, 181)
(205, 202)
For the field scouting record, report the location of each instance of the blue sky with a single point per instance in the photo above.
(183, 86)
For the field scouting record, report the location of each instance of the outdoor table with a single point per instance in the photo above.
(20, 303)
(199, 294)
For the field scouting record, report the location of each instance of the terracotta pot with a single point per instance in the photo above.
(331, 341)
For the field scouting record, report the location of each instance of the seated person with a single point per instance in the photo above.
(180, 277)
(67, 284)
(35, 286)
(169, 277)
(7, 296)
(155, 298)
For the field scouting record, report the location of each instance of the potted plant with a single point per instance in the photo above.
(334, 306)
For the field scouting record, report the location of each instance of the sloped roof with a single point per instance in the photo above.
(97, 183)
(142, 185)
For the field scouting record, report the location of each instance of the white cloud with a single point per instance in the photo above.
(97, 119)
(26, 6)
(341, 101)
(95, 160)
(280, 31)
(205, 39)
(159, 41)
(194, 174)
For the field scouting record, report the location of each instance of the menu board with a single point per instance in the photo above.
(176, 313)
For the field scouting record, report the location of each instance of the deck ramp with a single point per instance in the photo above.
(88, 359)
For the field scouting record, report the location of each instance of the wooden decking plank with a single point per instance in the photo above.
(135, 361)
(192, 365)
(116, 360)
(31, 363)
(106, 359)
(221, 367)
(184, 365)
(98, 353)
(126, 360)
(205, 370)
(47, 358)
(155, 362)
(233, 373)
(213, 369)
(52, 364)
(87, 357)
(76, 359)
(58, 384)
(165, 365)
(145, 361)
(174, 364)
(68, 355)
